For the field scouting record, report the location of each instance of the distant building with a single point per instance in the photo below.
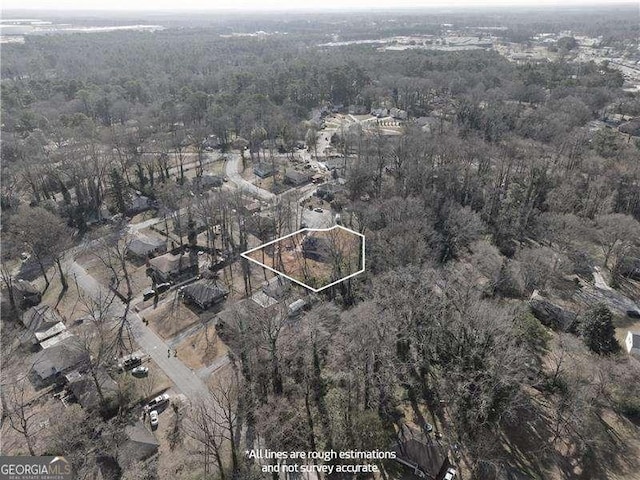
(296, 178)
(632, 343)
(398, 113)
(170, 267)
(204, 293)
(263, 170)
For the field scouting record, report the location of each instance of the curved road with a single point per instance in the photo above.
(233, 166)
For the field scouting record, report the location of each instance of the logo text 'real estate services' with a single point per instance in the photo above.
(35, 468)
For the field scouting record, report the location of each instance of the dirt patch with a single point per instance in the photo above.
(201, 348)
(170, 318)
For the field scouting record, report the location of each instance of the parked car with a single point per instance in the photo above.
(450, 475)
(129, 362)
(318, 210)
(148, 294)
(156, 402)
(153, 417)
(163, 287)
(140, 371)
(428, 427)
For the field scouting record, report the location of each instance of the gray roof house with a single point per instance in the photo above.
(296, 178)
(139, 446)
(58, 359)
(143, 246)
(263, 170)
(168, 266)
(204, 293)
(84, 389)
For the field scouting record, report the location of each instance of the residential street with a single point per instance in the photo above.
(184, 379)
(233, 166)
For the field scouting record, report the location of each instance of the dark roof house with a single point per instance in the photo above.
(204, 293)
(140, 445)
(62, 357)
(206, 182)
(84, 389)
(295, 178)
(263, 170)
(316, 248)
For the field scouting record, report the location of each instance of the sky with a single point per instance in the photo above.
(267, 5)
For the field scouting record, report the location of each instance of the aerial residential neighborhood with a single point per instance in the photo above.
(374, 244)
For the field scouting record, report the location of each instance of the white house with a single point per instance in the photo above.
(632, 343)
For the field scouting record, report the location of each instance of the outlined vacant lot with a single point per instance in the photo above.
(316, 258)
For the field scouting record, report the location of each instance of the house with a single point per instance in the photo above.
(42, 323)
(169, 266)
(277, 287)
(296, 178)
(398, 113)
(138, 203)
(211, 142)
(316, 248)
(632, 343)
(380, 112)
(328, 191)
(143, 246)
(140, 445)
(207, 182)
(50, 363)
(204, 293)
(631, 128)
(84, 389)
(263, 170)
(426, 458)
(26, 294)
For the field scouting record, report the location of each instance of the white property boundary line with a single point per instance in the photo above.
(316, 290)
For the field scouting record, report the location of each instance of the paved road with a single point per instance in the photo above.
(233, 166)
(185, 379)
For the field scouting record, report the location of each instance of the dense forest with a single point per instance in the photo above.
(509, 196)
